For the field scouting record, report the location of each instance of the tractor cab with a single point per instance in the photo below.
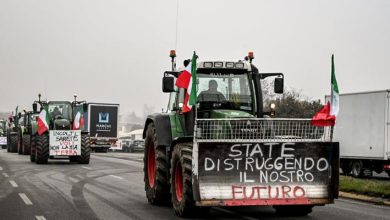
(60, 115)
(224, 90)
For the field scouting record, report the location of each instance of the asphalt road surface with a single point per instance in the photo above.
(112, 187)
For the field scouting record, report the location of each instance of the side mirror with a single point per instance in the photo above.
(35, 107)
(278, 85)
(168, 84)
(85, 107)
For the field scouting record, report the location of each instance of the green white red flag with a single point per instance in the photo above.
(43, 121)
(187, 80)
(78, 122)
(327, 115)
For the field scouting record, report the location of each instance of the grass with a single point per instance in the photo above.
(371, 187)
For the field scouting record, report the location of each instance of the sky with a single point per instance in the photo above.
(116, 51)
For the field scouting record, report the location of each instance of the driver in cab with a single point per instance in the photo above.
(212, 94)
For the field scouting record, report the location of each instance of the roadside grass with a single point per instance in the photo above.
(371, 187)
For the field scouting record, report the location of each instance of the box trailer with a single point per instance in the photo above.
(102, 124)
(363, 130)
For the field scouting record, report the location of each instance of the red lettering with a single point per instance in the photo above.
(299, 189)
(234, 191)
(285, 191)
(270, 193)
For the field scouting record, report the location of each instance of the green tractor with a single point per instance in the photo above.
(227, 151)
(28, 129)
(3, 134)
(56, 137)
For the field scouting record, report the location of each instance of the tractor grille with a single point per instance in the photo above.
(260, 130)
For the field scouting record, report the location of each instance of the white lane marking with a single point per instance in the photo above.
(13, 183)
(118, 177)
(88, 168)
(5, 175)
(40, 217)
(25, 199)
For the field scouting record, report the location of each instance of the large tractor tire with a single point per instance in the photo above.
(42, 149)
(14, 143)
(8, 143)
(26, 144)
(293, 210)
(156, 170)
(20, 142)
(85, 150)
(32, 148)
(181, 181)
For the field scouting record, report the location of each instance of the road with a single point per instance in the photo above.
(112, 187)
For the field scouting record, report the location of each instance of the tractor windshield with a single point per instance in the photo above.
(60, 110)
(225, 90)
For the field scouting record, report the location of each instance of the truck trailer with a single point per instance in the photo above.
(363, 131)
(101, 121)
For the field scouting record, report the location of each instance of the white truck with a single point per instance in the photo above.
(363, 130)
(101, 121)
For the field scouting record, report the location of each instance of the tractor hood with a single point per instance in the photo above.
(230, 114)
(62, 124)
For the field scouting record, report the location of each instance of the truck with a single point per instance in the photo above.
(227, 151)
(61, 138)
(3, 134)
(363, 131)
(102, 125)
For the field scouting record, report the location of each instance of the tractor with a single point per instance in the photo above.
(228, 151)
(59, 139)
(3, 134)
(12, 133)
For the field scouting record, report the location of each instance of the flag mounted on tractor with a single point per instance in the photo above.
(327, 115)
(187, 80)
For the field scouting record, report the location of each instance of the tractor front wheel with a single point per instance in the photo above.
(42, 149)
(20, 142)
(181, 182)
(155, 169)
(14, 143)
(293, 210)
(85, 150)
(26, 144)
(32, 148)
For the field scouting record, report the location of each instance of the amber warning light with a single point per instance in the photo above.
(172, 53)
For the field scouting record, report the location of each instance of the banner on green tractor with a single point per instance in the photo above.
(258, 171)
(65, 143)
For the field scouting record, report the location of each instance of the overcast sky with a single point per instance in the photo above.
(116, 51)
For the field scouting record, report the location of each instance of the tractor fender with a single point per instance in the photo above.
(162, 124)
(178, 140)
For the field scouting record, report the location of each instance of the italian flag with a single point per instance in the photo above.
(327, 115)
(78, 122)
(43, 121)
(187, 80)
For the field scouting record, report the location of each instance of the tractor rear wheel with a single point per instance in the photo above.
(42, 149)
(14, 143)
(181, 182)
(32, 148)
(155, 169)
(26, 144)
(293, 210)
(85, 150)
